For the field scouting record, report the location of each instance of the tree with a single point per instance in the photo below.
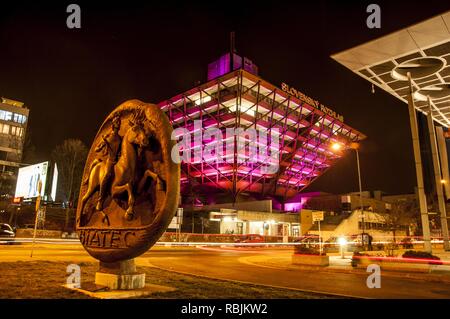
(7, 184)
(70, 156)
(402, 213)
(29, 155)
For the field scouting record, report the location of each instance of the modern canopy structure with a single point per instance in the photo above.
(413, 64)
(240, 99)
(426, 43)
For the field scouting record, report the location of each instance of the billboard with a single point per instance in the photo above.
(54, 183)
(177, 220)
(27, 180)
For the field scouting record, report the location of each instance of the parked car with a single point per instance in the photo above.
(6, 231)
(250, 239)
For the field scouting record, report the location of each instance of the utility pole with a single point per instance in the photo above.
(360, 198)
(38, 206)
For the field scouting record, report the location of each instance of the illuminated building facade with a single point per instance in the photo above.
(241, 99)
(13, 124)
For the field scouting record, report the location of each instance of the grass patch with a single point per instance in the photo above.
(44, 280)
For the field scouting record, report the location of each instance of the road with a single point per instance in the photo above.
(243, 264)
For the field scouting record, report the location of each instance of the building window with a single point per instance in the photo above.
(240, 228)
(19, 118)
(5, 129)
(8, 116)
(17, 131)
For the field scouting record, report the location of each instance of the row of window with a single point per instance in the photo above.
(11, 130)
(368, 225)
(10, 116)
(379, 226)
(266, 116)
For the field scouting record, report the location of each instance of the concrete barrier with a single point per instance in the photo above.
(391, 265)
(310, 260)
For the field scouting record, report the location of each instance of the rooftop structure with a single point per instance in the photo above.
(423, 44)
(239, 99)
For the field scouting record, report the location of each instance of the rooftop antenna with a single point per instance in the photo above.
(232, 50)
(232, 42)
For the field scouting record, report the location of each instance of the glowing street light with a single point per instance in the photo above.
(342, 243)
(355, 146)
(336, 146)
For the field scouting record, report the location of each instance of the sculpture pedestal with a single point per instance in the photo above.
(119, 280)
(120, 275)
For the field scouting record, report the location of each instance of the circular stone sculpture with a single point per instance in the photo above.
(130, 187)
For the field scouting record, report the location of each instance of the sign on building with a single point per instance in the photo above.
(28, 179)
(177, 220)
(317, 216)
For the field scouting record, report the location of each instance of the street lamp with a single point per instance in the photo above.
(336, 146)
(342, 243)
(354, 146)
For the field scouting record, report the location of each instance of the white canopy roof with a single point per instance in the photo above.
(375, 60)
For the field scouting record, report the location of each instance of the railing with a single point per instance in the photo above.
(225, 238)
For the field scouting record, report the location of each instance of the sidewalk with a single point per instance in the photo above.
(444, 255)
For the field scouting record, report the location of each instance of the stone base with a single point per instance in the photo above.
(120, 275)
(120, 282)
(310, 260)
(394, 265)
(147, 290)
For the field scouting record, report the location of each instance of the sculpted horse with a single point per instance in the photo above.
(134, 140)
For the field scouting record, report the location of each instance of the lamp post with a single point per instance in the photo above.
(342, 243)
(354, 146)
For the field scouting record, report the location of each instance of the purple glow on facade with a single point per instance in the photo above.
(293, 207)
(222, 66)
(232, 101)
(219, 67)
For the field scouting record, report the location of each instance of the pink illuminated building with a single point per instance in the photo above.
(239, 98)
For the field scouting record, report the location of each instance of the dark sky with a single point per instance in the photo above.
(72, 78)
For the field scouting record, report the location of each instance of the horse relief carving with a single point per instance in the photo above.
(130, 187)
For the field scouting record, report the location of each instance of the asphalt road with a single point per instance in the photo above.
(238, 264)
(235, 265)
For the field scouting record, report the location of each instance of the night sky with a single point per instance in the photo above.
(72, 78)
